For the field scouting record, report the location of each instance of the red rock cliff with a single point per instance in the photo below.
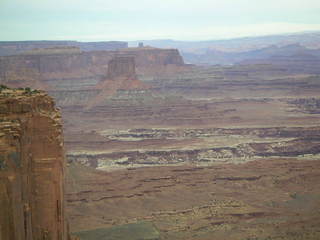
(152, 61)
(31, 167)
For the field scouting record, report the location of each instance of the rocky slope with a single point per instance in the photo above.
(31, 167)
(154, 61)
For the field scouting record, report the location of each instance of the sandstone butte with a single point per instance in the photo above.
(31, 167)
(121, 76)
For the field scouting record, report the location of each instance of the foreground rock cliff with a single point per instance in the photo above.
(31, 167)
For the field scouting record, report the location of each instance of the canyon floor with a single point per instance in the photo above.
(208, 153)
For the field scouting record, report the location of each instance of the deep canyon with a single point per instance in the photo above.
(156, 148)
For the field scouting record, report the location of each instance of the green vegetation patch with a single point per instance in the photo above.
(133, 231)
(3, 86)
(30, 91)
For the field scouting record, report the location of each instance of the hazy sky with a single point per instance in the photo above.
(97, 20)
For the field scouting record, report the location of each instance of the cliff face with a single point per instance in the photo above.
(49, 67)
(147, 56)
(76, 68)
(155, 61)
(31, 168)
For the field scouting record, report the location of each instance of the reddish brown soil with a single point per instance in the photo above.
(271, 198)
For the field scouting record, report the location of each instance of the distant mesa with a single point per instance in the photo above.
(17, 47)
(53, 50)
(77, 77)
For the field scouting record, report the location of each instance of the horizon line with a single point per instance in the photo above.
(170, 39)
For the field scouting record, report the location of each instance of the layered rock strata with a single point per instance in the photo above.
(155, 61)
(31, 167)
(70, 68)
(121, 76)
(72, 76)
(12, 47)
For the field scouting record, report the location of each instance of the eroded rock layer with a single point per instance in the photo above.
(31, 167)
(12, 47)
(74, 77)
(70, 69)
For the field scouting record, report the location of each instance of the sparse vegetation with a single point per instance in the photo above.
(30, 91)
(2, 87)
(27, 90)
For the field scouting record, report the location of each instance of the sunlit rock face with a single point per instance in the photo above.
(31, 167)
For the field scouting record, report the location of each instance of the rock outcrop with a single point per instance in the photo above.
(152, 61)
(121, 76)
(31, 167)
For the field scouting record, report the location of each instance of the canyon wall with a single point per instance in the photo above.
(74, 77)
(31, 167)
(152, 61)
(68, 68)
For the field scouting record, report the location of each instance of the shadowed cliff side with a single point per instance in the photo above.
(31, 167)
